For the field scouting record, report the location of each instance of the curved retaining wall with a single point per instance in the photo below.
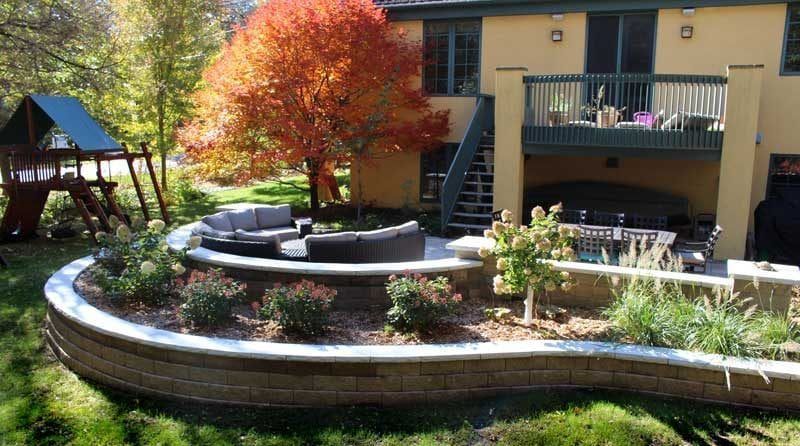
(145, 360)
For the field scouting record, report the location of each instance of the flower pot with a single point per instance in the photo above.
(557, 118)
(607, 118)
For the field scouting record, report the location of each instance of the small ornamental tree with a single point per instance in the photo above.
(523, 252)
(310, 82)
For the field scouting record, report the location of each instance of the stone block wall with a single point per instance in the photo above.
(244, 380)
(353, 291)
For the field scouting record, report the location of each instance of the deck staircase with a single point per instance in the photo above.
(473, 209)
(468, 188)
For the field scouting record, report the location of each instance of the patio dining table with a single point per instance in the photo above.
(664, 237)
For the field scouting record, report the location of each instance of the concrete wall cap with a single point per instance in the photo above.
(61, 295)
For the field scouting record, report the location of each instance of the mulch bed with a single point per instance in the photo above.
(469, 324)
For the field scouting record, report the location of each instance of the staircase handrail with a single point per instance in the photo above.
(456, 174)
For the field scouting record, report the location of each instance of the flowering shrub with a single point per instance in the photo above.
(208, 297)
(418, 302)
(135, 265)
(522, 251)
(300, 307)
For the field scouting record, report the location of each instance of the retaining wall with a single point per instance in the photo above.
(145, 360)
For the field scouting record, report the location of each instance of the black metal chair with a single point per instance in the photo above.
(656, 222)
(574, 216)
(615, 220)
(593, 241)
(637, 238)
(696, 255)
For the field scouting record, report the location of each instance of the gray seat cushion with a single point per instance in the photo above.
(258, 236)
(284, 233)
(335, 237)
(378, 234)
(411, 227)
(218, 221)
(272, 216)
(206, 230)
(244, 219)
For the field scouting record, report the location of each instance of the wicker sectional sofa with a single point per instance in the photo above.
(403, 243)
(252, 232)
(260, 230)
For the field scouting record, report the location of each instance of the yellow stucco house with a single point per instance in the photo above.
(652, 106)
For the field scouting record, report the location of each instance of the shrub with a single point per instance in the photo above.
(208, 297)
(417, 302)
(300, 307)
(719, 325)
(136, 266)
(646, 311)
(522, 253)
(779, 335)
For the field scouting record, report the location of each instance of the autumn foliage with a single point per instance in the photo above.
(309, 82)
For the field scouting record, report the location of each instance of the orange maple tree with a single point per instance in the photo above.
(307, 83)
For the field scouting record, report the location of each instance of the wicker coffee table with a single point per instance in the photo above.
(294, 250)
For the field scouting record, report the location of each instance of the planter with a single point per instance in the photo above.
(557, 118)
(607, 118)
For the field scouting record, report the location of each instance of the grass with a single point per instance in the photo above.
(42, 403)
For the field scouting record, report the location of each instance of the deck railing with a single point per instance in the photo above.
(482, 120)
(37, 167)
(648, 111)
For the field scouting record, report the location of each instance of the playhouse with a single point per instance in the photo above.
(29, 169)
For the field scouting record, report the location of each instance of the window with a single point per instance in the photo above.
(784, 175)
(791, 42)
(452, 57)
(434, 170)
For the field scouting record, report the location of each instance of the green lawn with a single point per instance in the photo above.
(42, 403)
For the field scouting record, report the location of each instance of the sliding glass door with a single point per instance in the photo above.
(621, 43)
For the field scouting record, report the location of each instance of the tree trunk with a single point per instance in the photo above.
(313, 180)
(359, 193)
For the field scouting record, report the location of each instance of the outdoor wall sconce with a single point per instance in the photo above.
(557, 17)
(688, 12)
(557, 35)
(687, 32)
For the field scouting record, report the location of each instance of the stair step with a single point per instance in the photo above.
(472, 203)
(480, 173)
(478, 183)
(467, 226)
(482, 194)
(476, 163)
(471, 215)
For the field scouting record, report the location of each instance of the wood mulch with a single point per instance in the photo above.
(468, 324)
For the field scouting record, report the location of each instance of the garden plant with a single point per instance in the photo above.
(523, 254)
(419, 302)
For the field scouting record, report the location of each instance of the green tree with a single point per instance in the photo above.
(55, 47)
(167, 43)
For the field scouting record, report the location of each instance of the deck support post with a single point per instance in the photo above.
(509, 161)
(734, 207)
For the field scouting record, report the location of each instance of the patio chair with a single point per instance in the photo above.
(615, 220)
(574, 216)
(696, 255)
(649, 238)
(658, 222)
(592, 241)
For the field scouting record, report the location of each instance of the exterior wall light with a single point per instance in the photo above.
(557, 17)
(688, 12)
(557, 35)
(687, 32)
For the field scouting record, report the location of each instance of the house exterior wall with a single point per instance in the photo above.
(696, 180)
(723, 36)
